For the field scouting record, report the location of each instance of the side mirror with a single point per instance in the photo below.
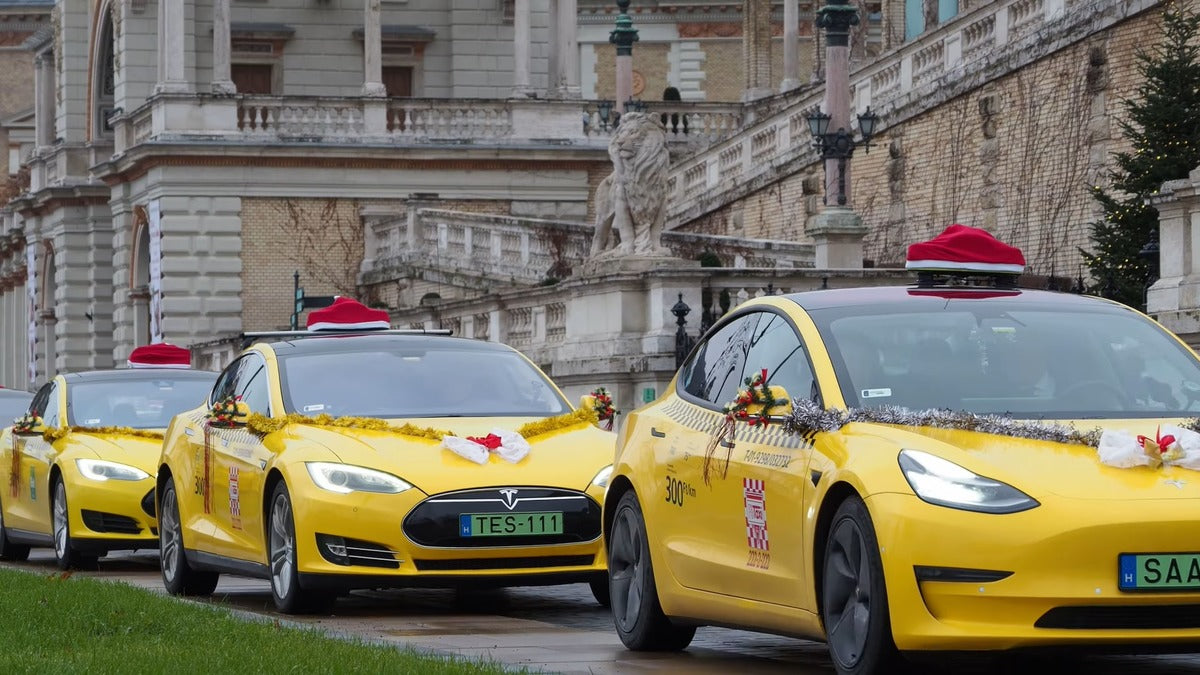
(228, 413)
(782, 409)
(587, 402)
(29, 428)
(241, 413)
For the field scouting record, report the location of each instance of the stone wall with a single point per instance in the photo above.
(16, 82)
(1015, 155)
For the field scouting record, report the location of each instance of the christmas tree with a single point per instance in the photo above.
(1162, 124)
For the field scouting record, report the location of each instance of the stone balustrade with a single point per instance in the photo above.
(685, 122)
(506, 249)
(919, 75)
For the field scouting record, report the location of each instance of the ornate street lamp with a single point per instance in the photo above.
(840, 145)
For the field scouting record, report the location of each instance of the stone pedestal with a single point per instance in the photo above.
(837, 234)
(631, 264)
(1174, 300)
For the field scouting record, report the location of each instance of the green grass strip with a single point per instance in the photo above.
(52, 624)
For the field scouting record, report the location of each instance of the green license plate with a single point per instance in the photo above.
(509, 524)
(1159, 571)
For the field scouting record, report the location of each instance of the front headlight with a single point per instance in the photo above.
(601, 479)
(346, 478)
(942, 482)
(98, 469)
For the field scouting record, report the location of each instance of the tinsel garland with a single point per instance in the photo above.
(55, 435)
(809, 417)
(262, 424)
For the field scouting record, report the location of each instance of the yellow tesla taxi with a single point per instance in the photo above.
(332, 461)
(78, 469)
(960, 465)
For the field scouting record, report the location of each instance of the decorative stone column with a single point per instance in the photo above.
(837, 231)
(566, 49)
(172, 32)
(791, 45)
(373, 50)
(623, 36)
(43, 99)
(222, 77)
(521, 39)
(756, 48)
(1175, 298)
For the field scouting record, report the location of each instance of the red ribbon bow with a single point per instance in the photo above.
(491, 441)
(1164, 443)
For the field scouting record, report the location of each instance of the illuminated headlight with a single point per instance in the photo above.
(346, 478)
(942, 482)
(98, 469)
(601, 479)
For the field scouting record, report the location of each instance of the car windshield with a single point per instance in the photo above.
(1027, 359)
(405, 382)
(138, 403)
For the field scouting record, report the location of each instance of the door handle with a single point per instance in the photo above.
(657, 434)
(726, 444)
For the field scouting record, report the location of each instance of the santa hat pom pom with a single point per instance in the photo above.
(965, 249)
(160, 355)
(348, 314)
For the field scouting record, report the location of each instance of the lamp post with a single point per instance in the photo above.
(837, 232)
(623, 36)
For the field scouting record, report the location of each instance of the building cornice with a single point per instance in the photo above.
(64, 196)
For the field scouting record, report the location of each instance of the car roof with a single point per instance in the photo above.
(939, 295)
(325, 344)
(15, 393)
(135, 374)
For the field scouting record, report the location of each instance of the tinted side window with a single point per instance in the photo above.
(38, 404)
(715, 371)
(224, 386)
(252, 385)
(51, 414)
(776, 347)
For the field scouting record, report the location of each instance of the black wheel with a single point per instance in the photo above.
(66, 553)
(600, 592)
(9, 551)
(854, 607)
(638, 616)
(289, 597)
(178, 576)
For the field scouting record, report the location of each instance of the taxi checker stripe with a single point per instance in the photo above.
(699, 419)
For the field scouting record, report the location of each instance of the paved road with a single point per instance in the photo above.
(562, 629)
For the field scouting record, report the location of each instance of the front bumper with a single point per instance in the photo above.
(1062, 589)
(111, 515)
(359, 541)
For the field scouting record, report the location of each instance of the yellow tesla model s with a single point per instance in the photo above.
(78, 469)
(957, 465)
(333, 462)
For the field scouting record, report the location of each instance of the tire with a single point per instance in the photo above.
(66, 553)
(10, 552)
(854, 607)
(289, 597)
(178, 576)
(600, 592)
(637, 614)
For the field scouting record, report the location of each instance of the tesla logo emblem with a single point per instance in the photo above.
(1177, 483)
(510, 498)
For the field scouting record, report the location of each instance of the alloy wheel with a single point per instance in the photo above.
(847, 594)
(283, 546)
(171, 548)
(627, 570)
(60, 520)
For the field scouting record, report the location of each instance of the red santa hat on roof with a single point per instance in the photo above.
(967, 249)
(348, 314)
(160, 355)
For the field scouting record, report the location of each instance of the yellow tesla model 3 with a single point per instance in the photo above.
(941, 467)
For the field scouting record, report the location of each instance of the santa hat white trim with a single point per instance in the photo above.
(177, 366)
(362, 325)
(951, 265)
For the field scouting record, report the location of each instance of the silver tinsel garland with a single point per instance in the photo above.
(809, 417)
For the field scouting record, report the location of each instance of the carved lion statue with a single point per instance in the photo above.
(631, 203)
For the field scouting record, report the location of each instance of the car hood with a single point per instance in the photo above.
(136, 451)
(570, 457)
(1044, 467)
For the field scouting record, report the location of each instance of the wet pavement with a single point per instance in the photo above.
(562, 629)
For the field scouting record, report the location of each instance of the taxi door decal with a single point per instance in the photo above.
(235, 499)
(754, 496)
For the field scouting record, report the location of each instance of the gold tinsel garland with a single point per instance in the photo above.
(261, 424)
(55, 435)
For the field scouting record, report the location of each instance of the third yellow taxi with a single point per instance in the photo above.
(955, 465)
(353, 457)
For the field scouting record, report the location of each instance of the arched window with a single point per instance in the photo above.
(104, 79)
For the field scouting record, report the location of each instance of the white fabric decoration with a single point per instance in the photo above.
(1122, 450)
(513, 447)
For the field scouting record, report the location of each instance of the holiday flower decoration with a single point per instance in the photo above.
(508, 445)
(224, 412)
(26, 423)
(753, 406)
(604, 408)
